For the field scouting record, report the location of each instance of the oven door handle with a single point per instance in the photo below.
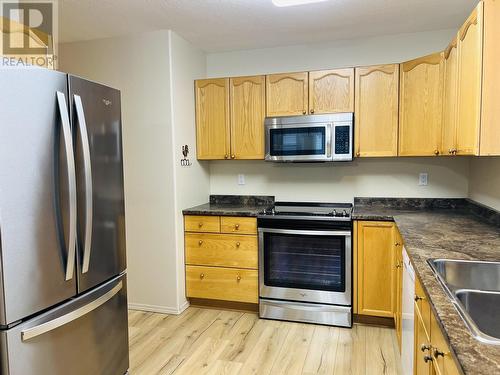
(343, 233)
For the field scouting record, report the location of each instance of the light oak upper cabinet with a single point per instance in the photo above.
(287, 94)
(248, 110)
(375, 276)
(212, 118)
(470, 55)
(450, 99)
(490, 117)
(421, 107)
(376, 111)
(331, 91)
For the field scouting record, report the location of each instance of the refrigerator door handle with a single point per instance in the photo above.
(51, 325)
(82, 127)
(70, 163)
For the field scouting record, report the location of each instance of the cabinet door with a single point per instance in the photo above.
(450, 98)
(398, 283)
(212, 118)
(331, 91)
(422, 362)
(247, 117)
(421, 106)
(286, 94)
(376, 112)
(490, 110)
(470, 55)
(375, 264)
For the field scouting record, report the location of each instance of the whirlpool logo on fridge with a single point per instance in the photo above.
(29, 32)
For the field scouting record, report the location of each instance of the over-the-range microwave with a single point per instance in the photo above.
(314, 138)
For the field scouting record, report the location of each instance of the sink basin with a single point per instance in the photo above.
(474, 288)
(483, 308)
(464, 274)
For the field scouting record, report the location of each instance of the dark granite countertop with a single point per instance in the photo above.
(232, 205)
(454, 229)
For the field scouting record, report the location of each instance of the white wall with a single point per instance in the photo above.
(191, 183)
(484, 186)
(139, 66)
(368, 51)
(341, 182)
(368, 177)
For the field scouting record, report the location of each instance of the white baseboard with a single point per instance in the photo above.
(159, 309)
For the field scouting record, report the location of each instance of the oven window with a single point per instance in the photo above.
(298, 141)
(304, 262)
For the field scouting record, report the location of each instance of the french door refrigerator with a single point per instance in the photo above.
(63, 299)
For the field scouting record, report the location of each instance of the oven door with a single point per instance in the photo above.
(299, 142)
(305, 265)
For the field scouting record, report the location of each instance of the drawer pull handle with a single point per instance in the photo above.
(200, 242)
(418, 298)
(236, 226)
(425, 347)
(238, 244)
(438, 353)
(200, 225)
(202, 276)
(238, 278)
(428, 358)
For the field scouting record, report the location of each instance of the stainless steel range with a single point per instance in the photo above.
(305, 263)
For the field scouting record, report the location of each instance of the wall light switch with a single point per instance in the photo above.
(241, 179)
(423, 179)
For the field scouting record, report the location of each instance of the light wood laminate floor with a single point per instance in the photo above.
(206, 341)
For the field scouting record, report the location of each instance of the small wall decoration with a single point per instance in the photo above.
(185, 152)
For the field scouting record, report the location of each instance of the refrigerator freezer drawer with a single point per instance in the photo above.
(88, 335)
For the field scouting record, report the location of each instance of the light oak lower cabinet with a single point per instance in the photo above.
(221, 255)
(375, 268)
(398, 285)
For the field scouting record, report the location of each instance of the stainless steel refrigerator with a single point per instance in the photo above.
(63, 289)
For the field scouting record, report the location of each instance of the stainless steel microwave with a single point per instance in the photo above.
(314, 138)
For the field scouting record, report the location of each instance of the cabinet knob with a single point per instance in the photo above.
(233, 156)
(238, 244)
(358, 154)
(425, 347)
(397, 244)
(436, 152)
(200, 242)
(450, 151)
(236, 226)
(438, 353)
(417, 298)
(226, 156)
(304, 112)
(312, 111)
(428, 358)
(202, 275)
(398, 265)
(238, 278)
(454, 151)
(200, 225)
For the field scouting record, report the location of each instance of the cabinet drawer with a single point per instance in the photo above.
(202, 224)
(241, 225)
(229, 284)
(423, 307)
(224, 250)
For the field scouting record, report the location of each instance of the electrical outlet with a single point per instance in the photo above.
(241, 179)
(423, 179)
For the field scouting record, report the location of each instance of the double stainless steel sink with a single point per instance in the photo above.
(474, 288)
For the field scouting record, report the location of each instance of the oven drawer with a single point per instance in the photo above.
(209, 224)
(240, 225)
(224, 250)
(230, 284)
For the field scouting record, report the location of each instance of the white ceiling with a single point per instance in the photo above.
(223, 25)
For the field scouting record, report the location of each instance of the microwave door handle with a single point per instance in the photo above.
(70, 165)
(329, 140)
(82, 129)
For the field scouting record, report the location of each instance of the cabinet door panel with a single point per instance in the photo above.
(470, 54)
(375, 265)
(331, 91)
(212, 118)
(376, 112)
(450, 98)
(421, 106)
(286, 94)
(247, 117)
(420, 339)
